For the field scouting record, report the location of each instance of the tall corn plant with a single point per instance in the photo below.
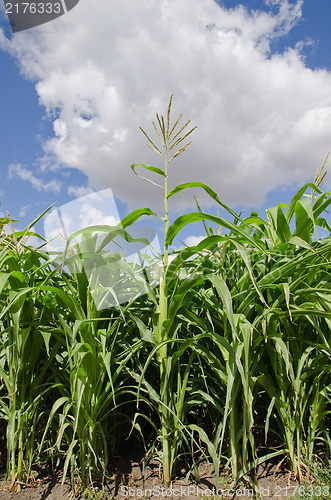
(258, 270)
(24, 352)
(294, 279)
(286, 325)
(171, 139)
(233, 363)
(92, 410)
(297, 378)
(175, 348)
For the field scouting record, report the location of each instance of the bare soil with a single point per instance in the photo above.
(127, 483)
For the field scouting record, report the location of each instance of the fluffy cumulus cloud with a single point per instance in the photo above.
(105, 68)
(15, 170)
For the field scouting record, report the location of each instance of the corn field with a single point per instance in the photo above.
(227, 359)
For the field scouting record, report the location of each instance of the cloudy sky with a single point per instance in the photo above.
(254, 76)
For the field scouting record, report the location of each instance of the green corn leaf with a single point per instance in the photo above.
(267, 420)
(211, 449)
(151, 169)
(16, 300)
(3, 280)
(146, 334)
(208, 190)
(225, 295)
(321, 222)
(320, 205)
(183, 220)
(280, 223)
(289, 212)
(304, 219)
(296, 240)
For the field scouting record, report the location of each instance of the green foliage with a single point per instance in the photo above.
(228, 358)
(317, 485)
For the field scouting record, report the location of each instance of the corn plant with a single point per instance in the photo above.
(24, 360)
(169, 327)
(92, 411)
(286, 324)
(170, 139)
(227, 358)
(256, 271)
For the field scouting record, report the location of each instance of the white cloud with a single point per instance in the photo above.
(78, 191)
(191, 241)
(23, 211)
(16, 170)
(92, 216)
(89, 210)
(103, 70)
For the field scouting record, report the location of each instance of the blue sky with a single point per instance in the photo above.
(255, 76)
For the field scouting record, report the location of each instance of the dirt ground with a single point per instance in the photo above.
(127, 484)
